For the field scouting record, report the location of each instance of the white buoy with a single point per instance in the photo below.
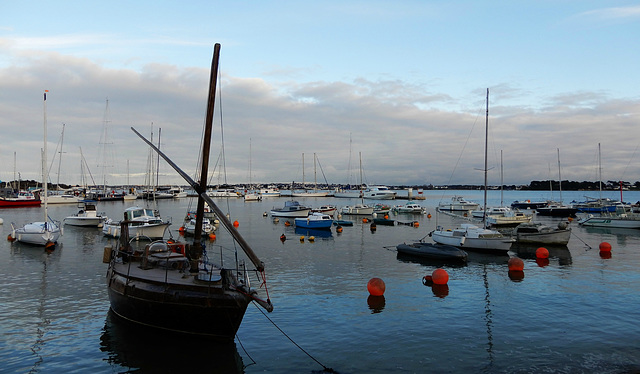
(1, 221)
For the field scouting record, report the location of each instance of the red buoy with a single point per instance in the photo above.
(542, 252)
(236, 224)
(440, 276)
(339, 229)
(605, 247)
(427, 280)
(11, 238)
(515, 264)
(376, 287)
(212, 237)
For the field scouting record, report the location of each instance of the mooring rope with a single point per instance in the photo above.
(326, 369)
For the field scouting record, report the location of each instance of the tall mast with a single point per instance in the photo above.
(486, 143)
(600, 170)
(44, 160)
(559, 176)
(206, 149)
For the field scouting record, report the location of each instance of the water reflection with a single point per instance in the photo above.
(324, 234)
(376, 303)
(152, 351)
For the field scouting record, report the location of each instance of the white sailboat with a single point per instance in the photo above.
(310, 193)
(469, 236)
(47, 232)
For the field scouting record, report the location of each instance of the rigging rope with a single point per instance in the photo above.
(326, 369)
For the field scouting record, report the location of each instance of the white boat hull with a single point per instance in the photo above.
(84, 221)
(151, 231)
(35, 233)
(613, 222)
(356, 210)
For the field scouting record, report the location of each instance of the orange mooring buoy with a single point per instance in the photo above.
(440, 276)
(376, 287)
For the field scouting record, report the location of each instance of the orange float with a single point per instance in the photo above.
(376, 287)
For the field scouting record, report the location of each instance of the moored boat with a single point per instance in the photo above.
(175, 287)
(379, 193)
(315, 221)
(291, 208)
(357, 209)
(528, 204)
(433, 251)
(20, 199)
(408, 208)
(142, 223)
(542, 234)
(457, 203)
(87, 216)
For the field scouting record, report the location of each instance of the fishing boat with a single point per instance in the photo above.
(315, 221)
(173, 286)
(542, 234)
(46, 232)
(20, 200)
(87, 216)
(457, 203)
(470, 236)
(141, 222)
(326, 209)
(433, 251)
(291, 208)
(408, 208)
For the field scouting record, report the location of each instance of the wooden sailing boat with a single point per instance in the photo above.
(47, 232)
(172, 286)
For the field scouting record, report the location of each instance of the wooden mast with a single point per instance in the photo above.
(196, 249)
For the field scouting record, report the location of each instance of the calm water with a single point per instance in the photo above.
(578, 314)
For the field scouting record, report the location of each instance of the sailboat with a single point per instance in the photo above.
(557, 209)
(250, 194)
(65, 197)
(360, 209)
(47, 232)
(310, 193)
(174, 286)
(469, 236)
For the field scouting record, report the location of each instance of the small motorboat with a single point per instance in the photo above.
(340, 222)
(433, 251)
(384, 221)
(315, 221)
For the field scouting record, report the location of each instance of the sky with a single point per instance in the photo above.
(399, 85)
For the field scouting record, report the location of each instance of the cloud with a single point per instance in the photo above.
(406, 132)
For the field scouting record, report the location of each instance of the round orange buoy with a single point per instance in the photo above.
(570, 219)
(542, 252)
(49, 246)
(364, 220)
(235, 223)
(427, 280)
(11, 238)
(376, 287)
(605, 247)
(515, 264)
(339, 229)
(287, 223)
(416, 224)
(429, 215)
(312, 238)
(181, 229)
(386, 216)
(283, 238)
(440, 276)
(301, 239)
(212, 237)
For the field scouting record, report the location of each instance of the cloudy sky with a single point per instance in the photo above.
(403, 83)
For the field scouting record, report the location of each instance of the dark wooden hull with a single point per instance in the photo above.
(204, 310)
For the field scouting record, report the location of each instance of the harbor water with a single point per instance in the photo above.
(576, 313)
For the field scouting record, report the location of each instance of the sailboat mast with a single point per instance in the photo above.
(559, 176)
(44, 160)
(486, 144)
(60, 158)
(206, 149)
(600, 170)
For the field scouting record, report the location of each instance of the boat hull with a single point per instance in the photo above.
(151, 231)
(318, 225)
(432, 251)
(84, 221)
(195, 310)
(613, 222)
(7, 203)
(35, 234)
(557, 212)
(551, 238)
